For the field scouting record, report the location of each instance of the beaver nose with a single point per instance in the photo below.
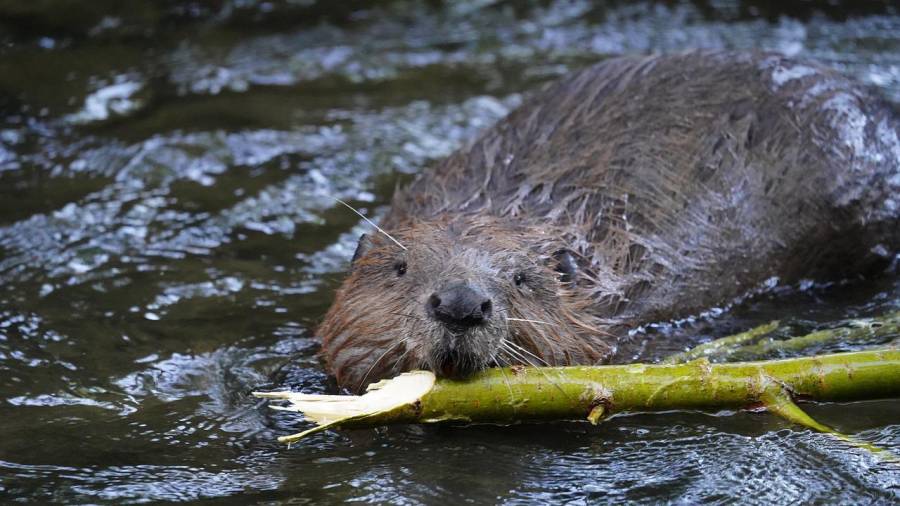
(459, 305)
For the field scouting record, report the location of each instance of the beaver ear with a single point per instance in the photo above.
(362, 247)
(566, 265)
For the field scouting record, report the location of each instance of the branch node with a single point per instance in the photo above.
(596, 414)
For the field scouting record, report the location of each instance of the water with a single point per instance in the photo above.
(167, 245)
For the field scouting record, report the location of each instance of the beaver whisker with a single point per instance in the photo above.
(520, 347)
(530, 321)
(503, 373)
(541, 334)
(413, 331)
(509, 360)
(537, 367)
(516, 354)
(540, 370)
(371, 367)
(505, 343)
(370, 222)
(512, 358)
(402, 356)
(410, 316)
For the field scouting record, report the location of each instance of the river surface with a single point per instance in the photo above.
(168, 244)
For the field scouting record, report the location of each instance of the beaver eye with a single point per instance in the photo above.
(519, 278)
(400, 267)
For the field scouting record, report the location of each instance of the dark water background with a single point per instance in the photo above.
(167, 245)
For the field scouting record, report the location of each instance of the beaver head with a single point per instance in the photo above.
(456, 297)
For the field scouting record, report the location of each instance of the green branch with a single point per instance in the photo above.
(554, 393)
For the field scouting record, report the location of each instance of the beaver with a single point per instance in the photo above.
(638, 190)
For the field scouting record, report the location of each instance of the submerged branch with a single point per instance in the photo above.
(723, 346)
(756, 343)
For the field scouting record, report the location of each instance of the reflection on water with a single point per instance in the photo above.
(168, 242)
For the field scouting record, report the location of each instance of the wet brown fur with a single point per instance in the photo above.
(678, 183)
